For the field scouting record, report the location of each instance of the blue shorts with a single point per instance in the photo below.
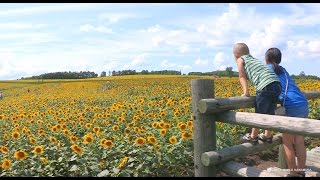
(300, 111)
(267, 98)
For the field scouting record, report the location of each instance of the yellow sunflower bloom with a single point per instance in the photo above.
(77, 149)
(38, 150)
(173, 140)
(15, 135)
(6, 164)
(88, 138)
(140, 141)
(20, 155)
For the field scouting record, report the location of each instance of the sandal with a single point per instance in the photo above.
(263, 138)
(300, 174)
(247, 137)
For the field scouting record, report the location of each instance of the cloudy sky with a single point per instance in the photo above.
(42, 38)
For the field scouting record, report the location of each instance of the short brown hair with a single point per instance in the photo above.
(241, 49)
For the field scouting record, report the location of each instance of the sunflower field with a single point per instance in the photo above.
(112, 126)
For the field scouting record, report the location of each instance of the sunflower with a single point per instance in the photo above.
(167, 126)
(154, 125)
(102, 142)
(44, 160)
(173, 140)
(6, 164)
(41, 132)
(152, 139)
(163, 132)
(53, 139)
(15, 135)
(157, 147)
(5, 136)
(4, 149)
(38, 150)
(108, 143)
(104, 122)
(96, 129)
(136, 118)
(189, 123)
(161, 124)
(136, 129)
(183, 127)
(49, 125)
(88, 138)
(32, 140)
(127, 131)
(20, 155)
(186, 135)
(73, 138)
(88, 125)
(140, 141)
(115, 127)
(54, 129)
(77, 149)
(123, 162)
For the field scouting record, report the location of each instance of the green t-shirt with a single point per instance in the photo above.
(257, 73)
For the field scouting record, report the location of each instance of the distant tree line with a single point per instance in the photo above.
(134, 72)
(302, 75)
(65, 75)
(221, 73)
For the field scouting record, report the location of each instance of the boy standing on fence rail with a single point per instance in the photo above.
(266, 83)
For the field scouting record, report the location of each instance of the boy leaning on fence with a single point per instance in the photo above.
(266, 83)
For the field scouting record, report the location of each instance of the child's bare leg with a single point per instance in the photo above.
(254, 132)
(267, 133)
(287, 140)
(301, 151)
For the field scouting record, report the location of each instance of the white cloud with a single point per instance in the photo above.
(184, 48)
(202, 28)
(91, 28)
(201, 62)
(302, 50)
(154, 29)
(15, 25)
(48, 8)
(137, 61)
(220, 61)
(116, 17)
(275, 34)
(167, 64)
(157, 40)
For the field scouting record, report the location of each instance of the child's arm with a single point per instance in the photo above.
(243, 77)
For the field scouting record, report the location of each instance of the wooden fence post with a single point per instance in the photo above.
(204, 128)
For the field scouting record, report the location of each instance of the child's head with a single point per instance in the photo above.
(273, 56)
(240, 49)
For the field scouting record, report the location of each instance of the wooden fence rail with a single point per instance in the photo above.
(207, 111)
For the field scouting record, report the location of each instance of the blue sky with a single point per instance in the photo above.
(48, 37)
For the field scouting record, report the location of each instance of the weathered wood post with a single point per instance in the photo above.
(204, 129)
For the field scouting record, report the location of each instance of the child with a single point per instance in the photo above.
(266, 83)
(296, 106)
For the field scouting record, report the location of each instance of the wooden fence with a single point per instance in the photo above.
(207, 111)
